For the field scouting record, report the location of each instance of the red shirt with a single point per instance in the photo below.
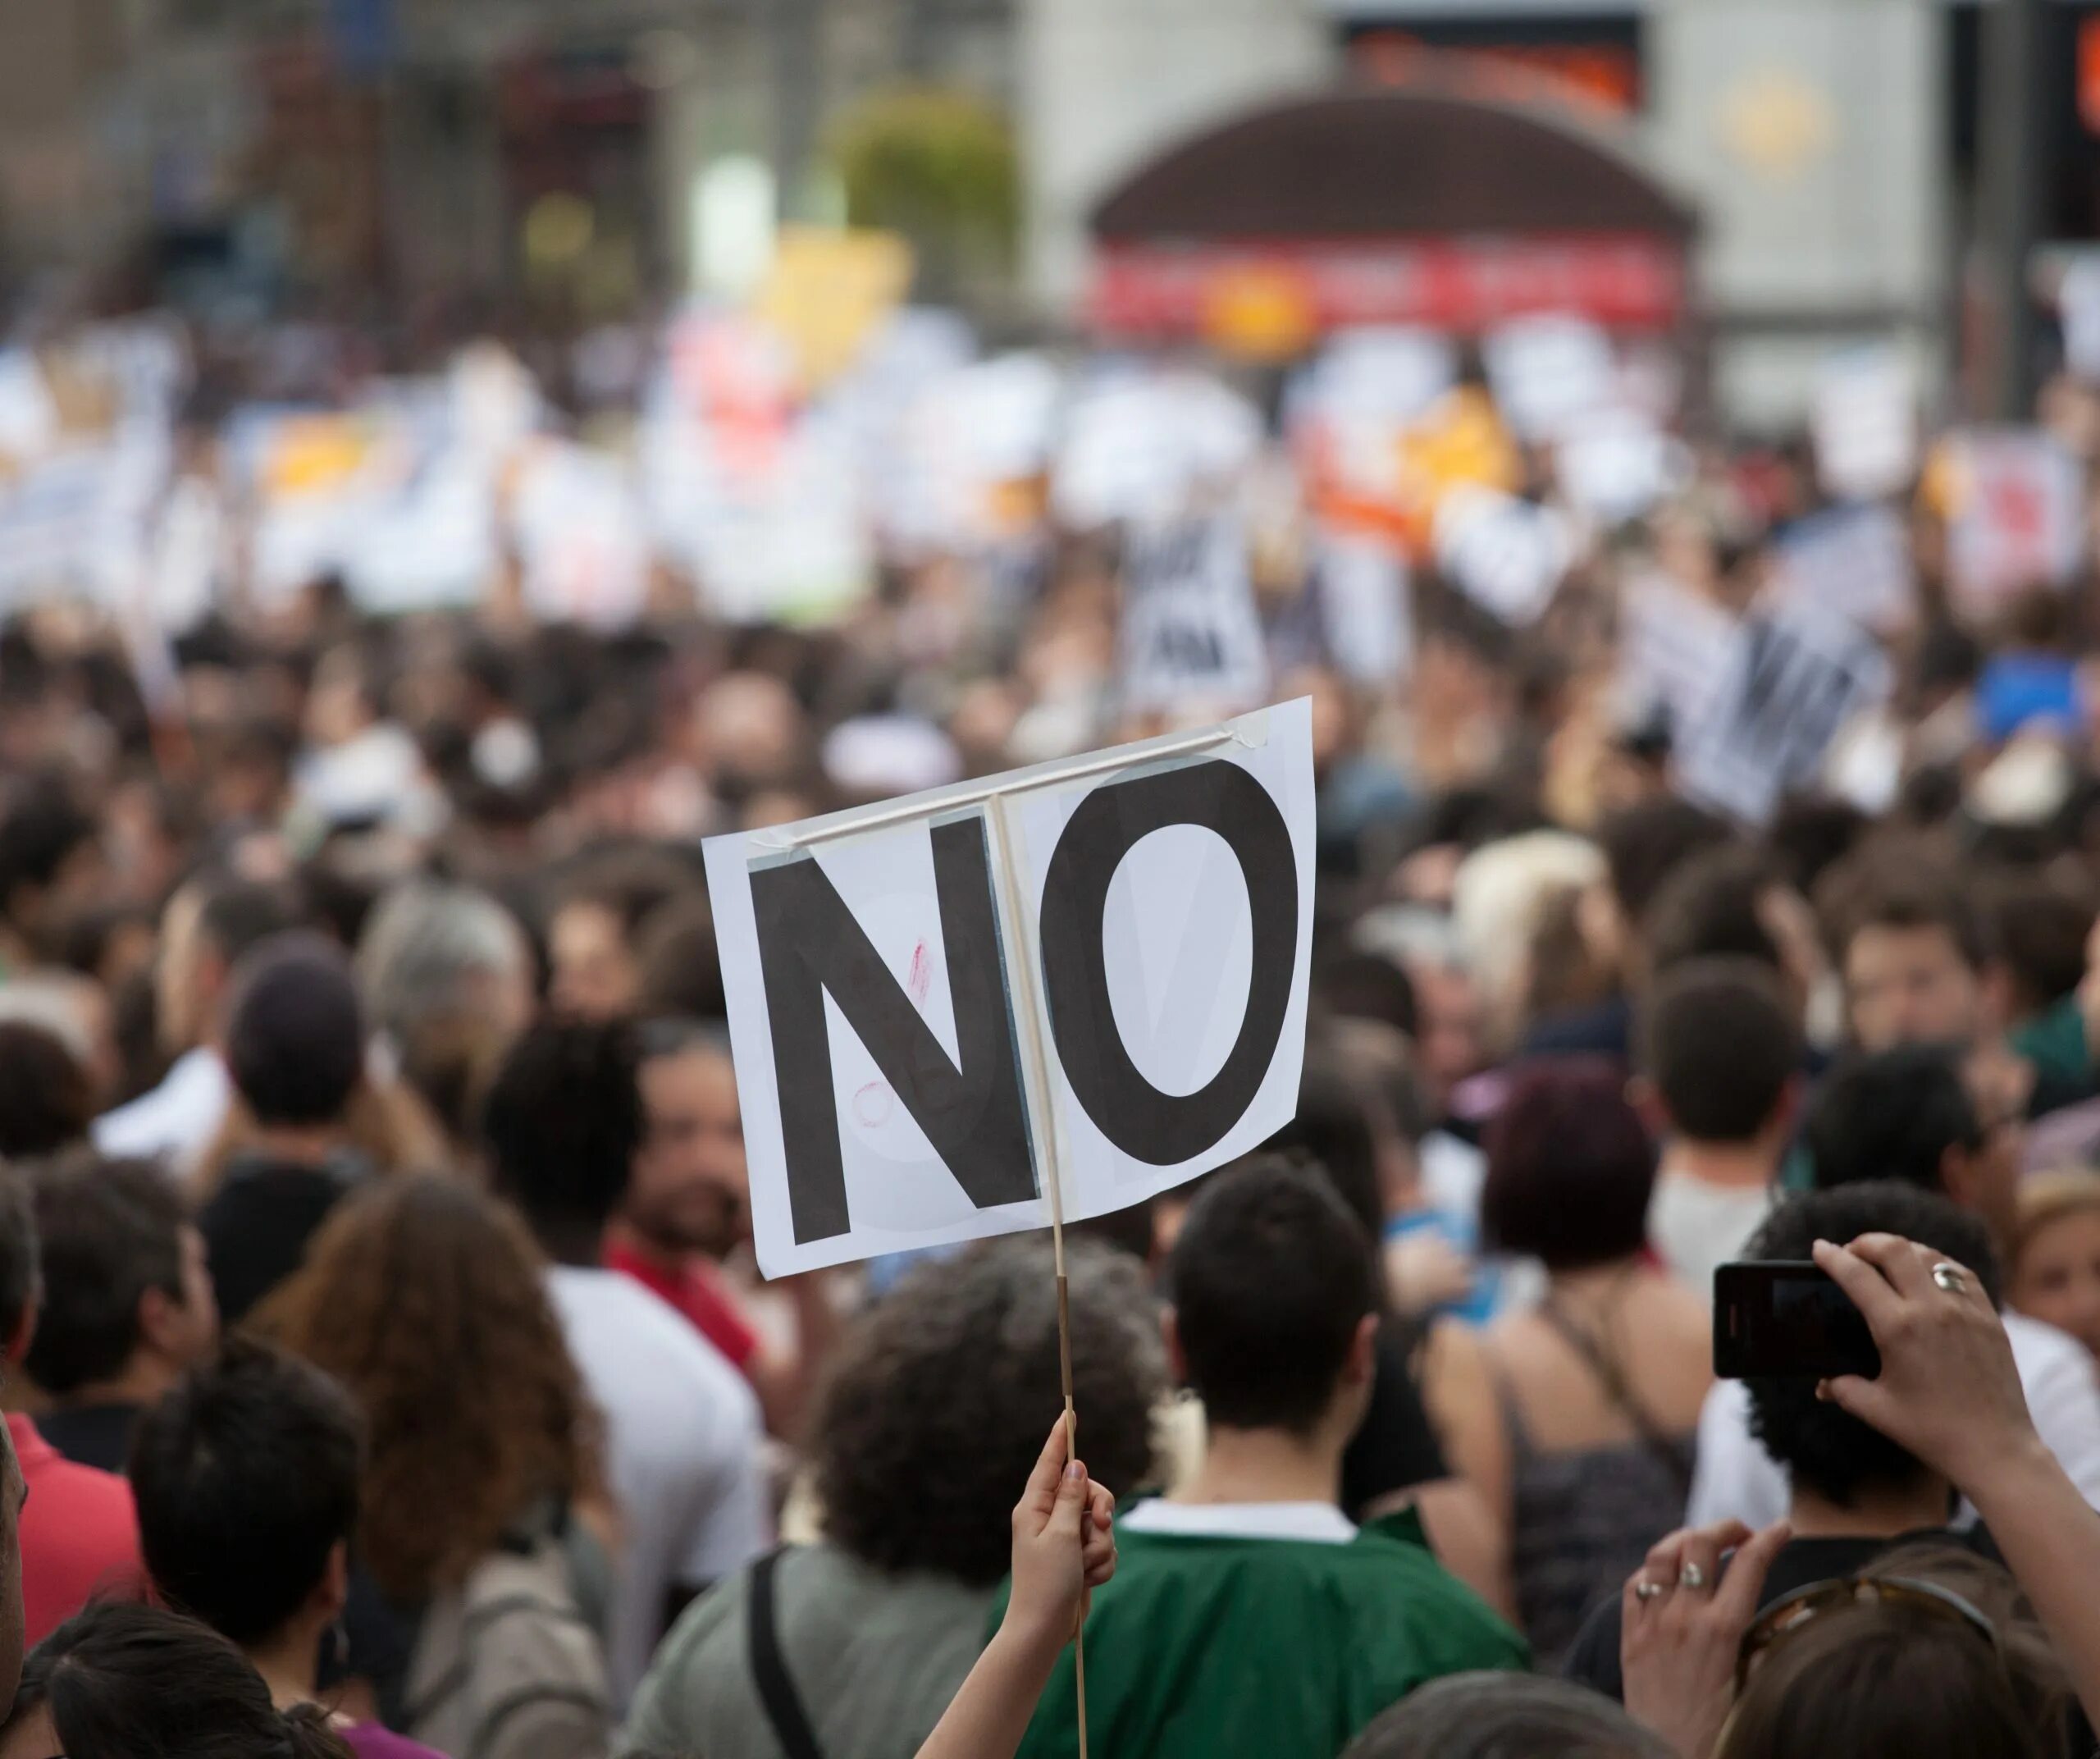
(693, 1287)
(80, 1534)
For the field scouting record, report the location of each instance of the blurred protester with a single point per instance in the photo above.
(1721, 1056)
(127, 1304)
(1575, 1419)
(1910, 947)
(593, 939)
(930, 1414)
(1506, 1716)
(1248, 1611)
(1734, 901)
(2053, 1268)
(51, 860)
(247, 1477)
(564, 1123)
(447, 978)
(681, 964)
(76, 1010)
(687, 1206)
(480, 1521)
(1907, 1114)
(82, 1537)
(121, 1681)
(1853, 1494)
(209, 925)
(294, 1044)
(46, 1102)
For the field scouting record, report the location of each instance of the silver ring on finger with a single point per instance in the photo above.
(1691, 1576)
(1949, 1277)
(1644, 1591)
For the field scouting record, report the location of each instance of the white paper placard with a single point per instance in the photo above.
(1366, 610)
(1190, 633)
(1673, 648)
(1855, 560)
(1550, 371)
(1507, 555)
(887, 1009)
(2018, 517)
(1797, 672)
(1865, 423)
(2078, 303)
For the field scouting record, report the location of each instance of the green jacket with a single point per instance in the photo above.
(1208, 1647)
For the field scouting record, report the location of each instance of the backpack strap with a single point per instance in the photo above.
(776, 1690)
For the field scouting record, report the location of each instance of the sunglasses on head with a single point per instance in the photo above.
(1796, 1611)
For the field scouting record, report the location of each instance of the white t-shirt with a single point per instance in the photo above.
(1736, 1479)
(1313, 1522)
(1696, 1226)
(683, 1444)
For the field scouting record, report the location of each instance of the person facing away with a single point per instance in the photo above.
(127, 1302)
(294, 1045)
(1497, 1716)
(1721, 1059)
(77, 1531)
(122, 1680)
(1247, 1614)
(563, 1122)
(480, 1546)
(1908, 1114)
(932, 1411)
(1575, 1417)
(1853, 1493)
(246, 1473)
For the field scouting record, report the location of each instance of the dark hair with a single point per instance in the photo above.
(1892, 1115)
(246, 1476)
(126, 1681)
(681, 964)
(43, 826)
(296, 1035)
(1570, 1168)
(563, 1119)
(1500, 1715)
(108, 1232)
(21, 1273)
(1709, 908)
(1720, 1044)
(1331, 1130)
(937, 1403)
(1270, 1276)
(1900, 883)
(47, 1102)
(1645, 843)
(237, 915)
(1891, 1679)
(1367, 986)
(2038, 924)
(1826, 1449)
(632, 884)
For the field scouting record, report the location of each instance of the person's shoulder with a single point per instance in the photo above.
(624, 1334)
(2040, 1349)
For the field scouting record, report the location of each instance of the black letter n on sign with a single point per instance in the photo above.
(808, 942)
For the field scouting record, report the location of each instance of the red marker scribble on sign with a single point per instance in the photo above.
(873, 1104)
(919, 979)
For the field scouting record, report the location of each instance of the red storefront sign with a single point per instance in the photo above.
(1157, 290)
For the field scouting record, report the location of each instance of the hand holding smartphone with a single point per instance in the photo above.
(1788, 1318)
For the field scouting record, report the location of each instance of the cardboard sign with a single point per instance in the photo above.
(1191, 634)
(1366, 613)
(1094, 971)
(1855, 560)
(1674, 647)
(1797, 672)
(1507, 555)
(1865, 423)
(2015, 517)
(1548, 373)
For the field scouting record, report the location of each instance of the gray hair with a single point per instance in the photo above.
(427, 943)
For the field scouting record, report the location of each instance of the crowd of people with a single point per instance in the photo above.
(386, 1366)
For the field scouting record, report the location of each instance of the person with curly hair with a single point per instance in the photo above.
(932, 1412)
(422, 1297)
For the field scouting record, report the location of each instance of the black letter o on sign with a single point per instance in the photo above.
(1160, 1128)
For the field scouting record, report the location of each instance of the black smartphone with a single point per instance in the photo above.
(1788, 1318)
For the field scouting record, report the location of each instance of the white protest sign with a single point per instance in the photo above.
(2078, 303)
(1617, 465)
(1855, 560)
(2017, 519)
(579, 529)
(1548, 373)
(1507, 555)
(1673, 648)
(1190, 633)
(1094, 971)
(1366, 611)
(1865, 423)
(1797, 672)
